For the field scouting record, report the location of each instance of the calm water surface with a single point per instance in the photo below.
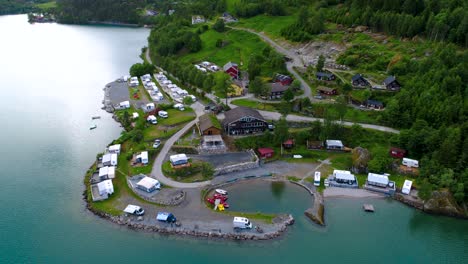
(52, 78)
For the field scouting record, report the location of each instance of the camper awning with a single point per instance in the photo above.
(148, 182)
(377, 178)
(178, 158)
(335, 143)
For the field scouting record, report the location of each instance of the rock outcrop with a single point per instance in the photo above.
(442, 202)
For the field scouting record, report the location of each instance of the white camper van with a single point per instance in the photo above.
(406, 187)
(241, 223)
(179, 107)
(163, 114)
(134, 210)
(410, 163)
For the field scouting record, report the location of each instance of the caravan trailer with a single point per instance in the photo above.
(411, 163)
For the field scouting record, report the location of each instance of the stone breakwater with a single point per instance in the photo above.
(316, 213)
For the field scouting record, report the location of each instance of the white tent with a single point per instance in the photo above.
(105, 187)
(107, 172)
(377, 179)
(114, 148)
(178, 159)
(407, 187)
(148, 184)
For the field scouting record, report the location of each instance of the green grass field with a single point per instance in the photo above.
(46, 6)
(270, 25)
(253, 104)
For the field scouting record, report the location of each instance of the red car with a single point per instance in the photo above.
(220, 196)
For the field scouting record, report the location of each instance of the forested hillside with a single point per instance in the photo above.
(18, 6)
(83, 11)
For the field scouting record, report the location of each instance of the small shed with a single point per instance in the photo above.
(334, 144)
(288, 143)
(107, 172)
(407, 187)
(148, 184)
(209, 125)
(266, 152)
(105, 188)
(325, 76)
(114, 149)
(178, 159)
(397, 153)
(377, 179)
(327, 90)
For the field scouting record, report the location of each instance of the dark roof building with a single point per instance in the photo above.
(359, 81)
(283, 79)
(243, 120)
(325, 76)
(374, 104)
(327, 90)
(277, 90)
(391, 84)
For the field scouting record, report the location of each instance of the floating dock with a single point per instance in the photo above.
(368, 208)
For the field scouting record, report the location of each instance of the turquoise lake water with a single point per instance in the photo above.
(52, 78)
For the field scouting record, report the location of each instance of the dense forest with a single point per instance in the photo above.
(84, 11)
(18, 6)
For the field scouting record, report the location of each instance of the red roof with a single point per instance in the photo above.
(264, 151)
(289, 142)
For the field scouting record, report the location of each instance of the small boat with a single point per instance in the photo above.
(96, 117)
(92, 127)
(221, 191)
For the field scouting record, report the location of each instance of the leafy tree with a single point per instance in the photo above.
(219, 43)
(296, 85)
(320, 63)
(125, 119)
(137, 136)
(219, 25)
(281, 132)
(255, 86)
(207, 170)
(187, 100)
(254, 67)
(288, 95)
(425, 191)
(139, 69)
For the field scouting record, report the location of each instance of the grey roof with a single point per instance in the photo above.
(389, 80)
(357, 77)
(229, 65)
(206, 122)
(324, 74)
(278, 87)
(239, 112)
(325, 89)
(374, 102)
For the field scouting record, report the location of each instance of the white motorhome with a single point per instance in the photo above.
(134, 210)
(241, 222)
(109, 159)
(124, 105)
(411, 163)
(317, 178)
(114, 149)
(406, 187)
(152, 119)
(179, 107)
(163, 114)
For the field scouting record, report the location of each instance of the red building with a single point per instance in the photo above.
(283, 79)
(288, 143)
(232, 69)
(266, 152)
(397, 153)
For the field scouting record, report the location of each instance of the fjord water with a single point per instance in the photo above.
(51, 84)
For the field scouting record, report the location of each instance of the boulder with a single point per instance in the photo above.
(442, 202)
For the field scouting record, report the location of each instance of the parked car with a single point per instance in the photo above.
(156, 143)
(166, 217)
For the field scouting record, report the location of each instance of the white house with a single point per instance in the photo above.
(334, 144)
(148, 184)
(114, 149)
(407, 187)
(107, 172)
(109, 159)
(377, 179)
(178, 159)
(105, 188)
(124, 104)
(152, 119)
(142, 157)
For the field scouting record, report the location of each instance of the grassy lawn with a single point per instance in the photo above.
(254, 104)
(352, 114)
(177, 117)
(240, 46)
(270, 25)
(193, 175)
(46, 6)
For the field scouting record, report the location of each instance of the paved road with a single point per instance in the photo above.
(157, 173)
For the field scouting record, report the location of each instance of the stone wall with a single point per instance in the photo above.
(240, 166)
